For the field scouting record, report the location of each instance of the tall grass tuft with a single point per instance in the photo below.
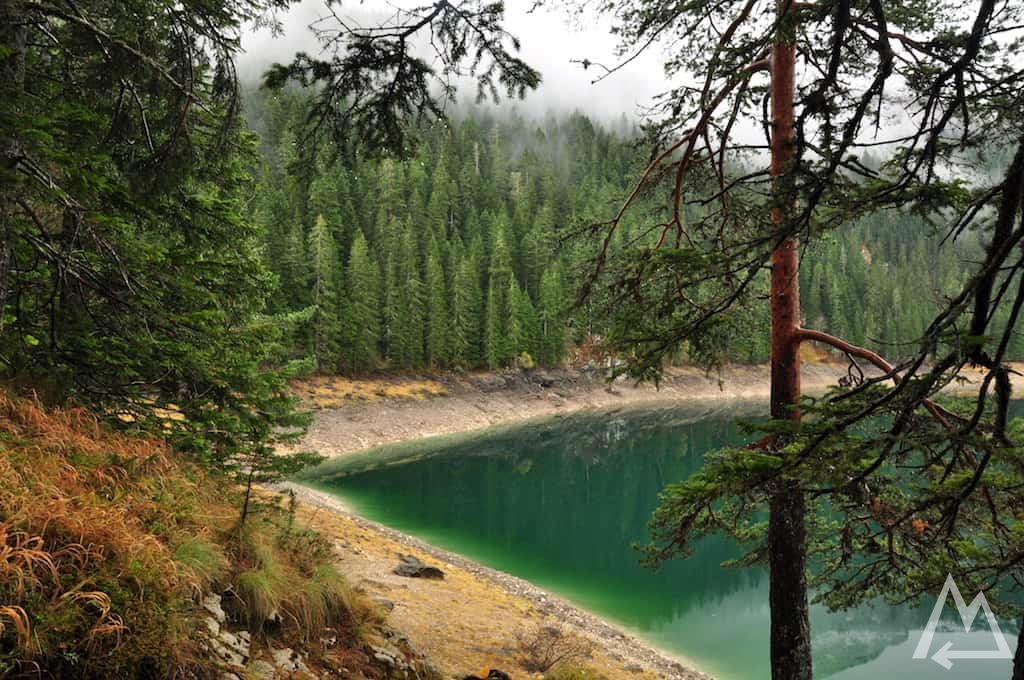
(108, 542)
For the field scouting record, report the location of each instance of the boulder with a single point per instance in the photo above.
(211, 603)
(493, 674)
(414, 568)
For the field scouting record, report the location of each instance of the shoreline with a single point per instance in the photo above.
(357, 416)
(615, 650)
(454, 621)
(354, 415)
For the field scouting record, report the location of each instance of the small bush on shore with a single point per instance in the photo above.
(546, 647)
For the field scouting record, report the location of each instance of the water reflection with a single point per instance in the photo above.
(561, 503)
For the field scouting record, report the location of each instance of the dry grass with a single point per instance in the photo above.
(107, 543)
(87, 524)
(325, 391)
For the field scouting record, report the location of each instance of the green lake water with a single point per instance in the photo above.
(561, 502)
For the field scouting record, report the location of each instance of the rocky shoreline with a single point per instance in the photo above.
(358, 414)
(622, 652)
(469, 620)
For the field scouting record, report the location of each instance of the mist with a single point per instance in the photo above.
(550, 42)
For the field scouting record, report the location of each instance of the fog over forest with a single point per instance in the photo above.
(551, 39)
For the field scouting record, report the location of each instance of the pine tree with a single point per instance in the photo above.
(364, 319)
(438, 332)
(497, 340)
(327, 327)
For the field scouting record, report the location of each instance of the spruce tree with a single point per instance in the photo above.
(408, 302)
(327, 327)
(523, 326)
(497, 340)
(364, 296)
(466, 314)
(438, 332)
(551, 315)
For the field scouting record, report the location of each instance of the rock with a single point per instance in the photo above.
(384, 603)
(542, 378)
(493, 674)
(288, 661)
(490, 383)
(283, 658)
(226, 654)
(211, 603)
(413, 568)
(212, 626)
(261, 670)
(235, 643)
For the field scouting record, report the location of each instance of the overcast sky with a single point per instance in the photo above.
(549, 42)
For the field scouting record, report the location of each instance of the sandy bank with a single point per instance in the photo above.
(470, 620)
(360, 414)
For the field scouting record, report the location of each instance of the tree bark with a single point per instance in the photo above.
(787, 535)
(13, 38)
(1018, 657)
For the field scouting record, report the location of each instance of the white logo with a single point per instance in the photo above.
(944, 656)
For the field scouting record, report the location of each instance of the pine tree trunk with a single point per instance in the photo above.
(13, 37)
(1018, 657)
(787, 536)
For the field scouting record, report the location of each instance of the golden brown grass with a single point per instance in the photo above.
(107, 542)
(88, 525)
(332, 391)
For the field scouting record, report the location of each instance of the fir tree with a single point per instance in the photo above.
(364, 304)
(497, 340)
(438, 340)
(323, 257)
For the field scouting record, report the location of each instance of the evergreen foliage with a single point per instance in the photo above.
(467, 239)
(453, 244)
(129, 279)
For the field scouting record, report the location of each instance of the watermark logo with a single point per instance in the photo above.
(945, 656)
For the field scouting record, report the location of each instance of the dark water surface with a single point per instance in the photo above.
(560, 502)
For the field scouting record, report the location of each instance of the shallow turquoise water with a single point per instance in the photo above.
(561, 502)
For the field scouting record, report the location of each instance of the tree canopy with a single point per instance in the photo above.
(892, 488)
(128, 278)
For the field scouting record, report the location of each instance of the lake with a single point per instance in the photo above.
(561, 502)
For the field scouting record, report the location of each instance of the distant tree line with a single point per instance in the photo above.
(452, 257)
(459, 256)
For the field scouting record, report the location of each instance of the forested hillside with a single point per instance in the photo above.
(461, 255)
(450, 258)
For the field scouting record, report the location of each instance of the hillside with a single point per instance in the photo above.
(120, 560)
(469, 253)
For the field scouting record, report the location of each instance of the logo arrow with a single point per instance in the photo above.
(943, 656)
(967, 615)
